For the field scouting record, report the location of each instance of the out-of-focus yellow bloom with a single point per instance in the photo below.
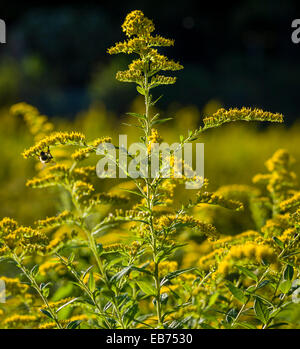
(250, 251)
(14, 286)
(38, 125)
(15, 321)
(52, 265)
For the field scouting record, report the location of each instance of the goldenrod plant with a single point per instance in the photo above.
(170, 267)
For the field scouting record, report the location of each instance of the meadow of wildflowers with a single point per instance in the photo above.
(77, 251)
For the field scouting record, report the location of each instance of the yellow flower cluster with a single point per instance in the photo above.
(288, 235)
(238, 191)
(281, 183)
(162, 80)
(112, 248)
(15, 321)
(83, 190)
(167, 189)
(153, 138)
(58, 241)
(214, 199)
(134, 248)
(161, 62)
(164, 268)
(62, 218)
(249, 251)
(168, 289)
(107, 198)
(101, 140)
(84, 173)
(20, 239)
(124, 215)
(58, 138)
(209, 260)
(246, 114)
(276, 225)
(248, 235)
(137, 24)
(47, 326)
(296, 216)
(140, 45)
(56, 305)
(42, 182)
(139, 28)
(130, 76)
(292, 202)
(261, 179)
(83, 153)
(174, 221)
(52, 325)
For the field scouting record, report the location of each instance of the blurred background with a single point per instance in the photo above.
(235, 53)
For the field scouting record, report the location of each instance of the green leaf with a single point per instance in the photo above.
(107, 305)
(34, 270)
(245, 325)
(137, 115)
(131, 125)
(134, 192)
(147, 288)
(85, 273)
(142, 270)
(247, 272)
(91, 282)
(237, 292)
(277, 325)
(206, 326)
(261, 311)
(213, 299)
(288, 272)
(46, 292)
(160, 121)
(130, 313)
(140, 90)
(71, 257)
(278, 242)
(251, 289)
(231, 315)
(154, 102)
(66, 304)
(174, 274)
(46, 312)
(263, 284)
(285, 286)
(74, 324)
(118, 276)
(64, 291)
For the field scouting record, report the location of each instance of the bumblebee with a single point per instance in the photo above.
(45, 156)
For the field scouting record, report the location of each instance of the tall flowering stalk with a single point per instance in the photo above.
(146, 72)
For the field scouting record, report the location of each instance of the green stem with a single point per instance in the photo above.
(150, 197)
(36, 287)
